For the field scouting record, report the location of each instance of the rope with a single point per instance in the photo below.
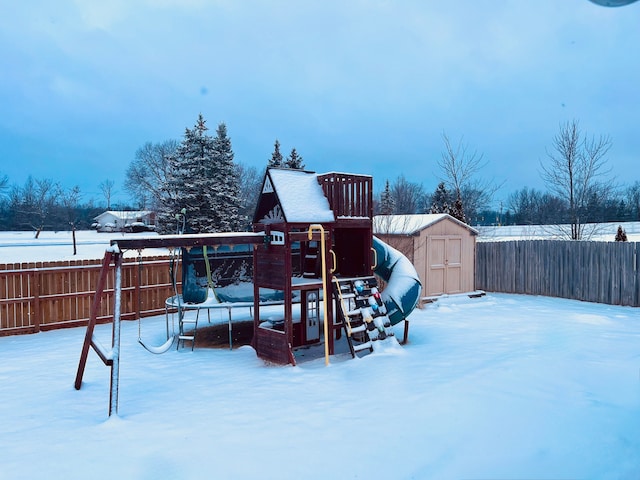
(208, 267)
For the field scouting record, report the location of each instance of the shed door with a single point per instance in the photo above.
(444, 265)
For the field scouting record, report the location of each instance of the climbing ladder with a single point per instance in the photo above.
(310, 264)
(362, 312)
(188, 335)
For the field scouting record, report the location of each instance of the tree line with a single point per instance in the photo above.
(196, 185)
(42, 204)
(193, 185)
(580, 190)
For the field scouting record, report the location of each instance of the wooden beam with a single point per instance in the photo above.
(190, 240)
(304, 236)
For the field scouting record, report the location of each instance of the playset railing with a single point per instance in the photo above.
(349, 195)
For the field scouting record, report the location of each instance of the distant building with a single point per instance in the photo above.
(125, 221)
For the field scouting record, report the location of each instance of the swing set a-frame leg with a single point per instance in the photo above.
(109, 357)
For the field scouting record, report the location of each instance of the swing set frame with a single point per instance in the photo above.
(113, 255)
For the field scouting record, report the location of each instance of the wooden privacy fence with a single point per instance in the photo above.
(47, 295)
(603, 272)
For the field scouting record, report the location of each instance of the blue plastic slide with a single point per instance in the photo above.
(402, 293)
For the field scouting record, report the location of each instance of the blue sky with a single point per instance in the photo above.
(363, 86)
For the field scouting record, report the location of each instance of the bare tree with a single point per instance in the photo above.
(577, 171)
(633, 200)
(34, 202)
(460, 169)
(147, 175)
(408, 197)
(534, 207)
(107, 190)
(250, 183)
(4, 182)
(397, 231)
(70, 200)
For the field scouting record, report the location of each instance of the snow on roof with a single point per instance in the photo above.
(301, 196)
(410, 224)
(333, 172)
(125, 214)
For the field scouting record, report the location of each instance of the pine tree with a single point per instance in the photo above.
(225, 185)
(203, 183)
(294, 161)
(458, 210)
(440, 200)
(621, 235)
(192, 177)
(387, 203)
(276, 156)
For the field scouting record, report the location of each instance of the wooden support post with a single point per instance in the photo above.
(95, 306)
(406, 332)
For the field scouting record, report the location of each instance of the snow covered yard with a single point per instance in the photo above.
(503, 386)
(53, 246)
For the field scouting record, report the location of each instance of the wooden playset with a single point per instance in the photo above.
(313, 224)
(312, 241)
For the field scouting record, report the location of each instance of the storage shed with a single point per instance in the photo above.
(441, 248)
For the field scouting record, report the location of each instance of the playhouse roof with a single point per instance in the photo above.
(411, 224)
(300, 196)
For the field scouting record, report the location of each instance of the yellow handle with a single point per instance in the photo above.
(375, 259)
(335, 262)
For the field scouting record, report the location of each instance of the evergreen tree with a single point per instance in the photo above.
(189, 180)
(387, 203)
(276, 156)
(225, 185)
(458, 211)
(621, 235)
(202, 185)
(294, 161)
(440, 200)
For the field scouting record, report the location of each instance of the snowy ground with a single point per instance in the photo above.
(52, 246)
(503, 386)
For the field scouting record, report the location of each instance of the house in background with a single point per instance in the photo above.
(441, 248)
(125, 221)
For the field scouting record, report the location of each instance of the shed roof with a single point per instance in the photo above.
(300, 196)
(411, 224)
